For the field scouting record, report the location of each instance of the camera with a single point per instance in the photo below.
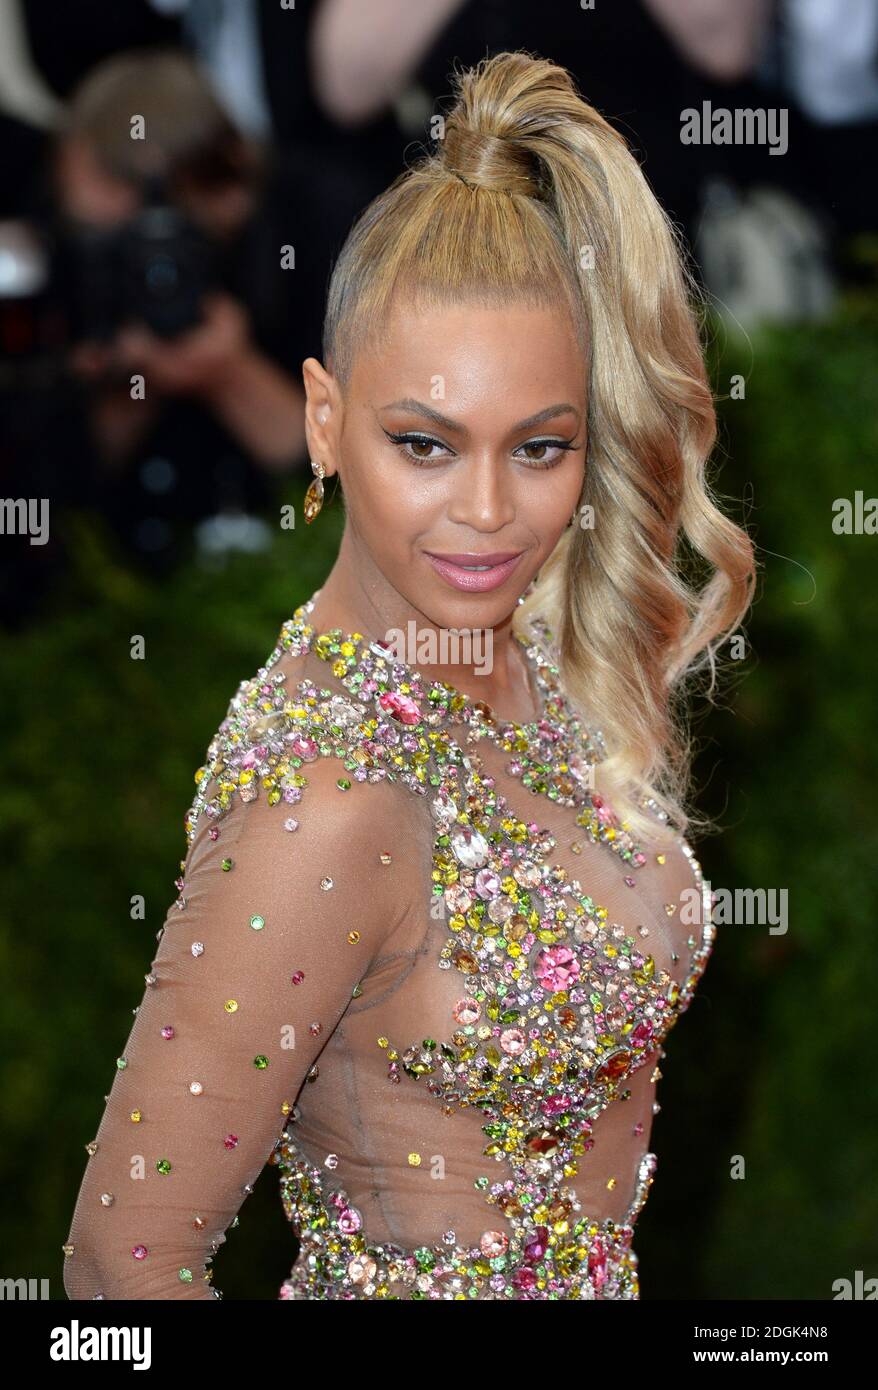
(155, 269)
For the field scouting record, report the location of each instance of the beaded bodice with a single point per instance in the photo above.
(482, 963)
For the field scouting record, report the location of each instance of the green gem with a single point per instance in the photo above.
(261, 1061)
(257, 922)
(344, 784)
(185, 1276)
(121, 1063)
(227, 864)
(163, 1166)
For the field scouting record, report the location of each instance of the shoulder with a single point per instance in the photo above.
(289, 772)
(276, 731)
(684, 881)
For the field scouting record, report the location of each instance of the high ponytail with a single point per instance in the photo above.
(531, 196)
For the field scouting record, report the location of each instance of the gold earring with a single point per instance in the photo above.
(314, 496)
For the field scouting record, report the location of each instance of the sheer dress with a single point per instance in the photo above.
(417, 965)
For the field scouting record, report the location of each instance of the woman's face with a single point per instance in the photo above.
(461, 450)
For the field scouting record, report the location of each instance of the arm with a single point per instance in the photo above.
(218, 363)
(263, 407)
(212, 1099)
(363, 55)
(723, 40)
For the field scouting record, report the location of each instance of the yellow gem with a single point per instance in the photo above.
(230, 1006)
(136, 1116)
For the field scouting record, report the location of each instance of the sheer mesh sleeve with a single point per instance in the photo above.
(280, 919)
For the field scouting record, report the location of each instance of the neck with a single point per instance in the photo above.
(358, 598)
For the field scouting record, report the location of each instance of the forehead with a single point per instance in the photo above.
(509, 354)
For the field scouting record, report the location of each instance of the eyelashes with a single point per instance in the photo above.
(422, 461)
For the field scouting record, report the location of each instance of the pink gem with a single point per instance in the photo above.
(167, 1031)
(556, 967)
(140, 1252)
(298, 977)
(536, 1244)
(305, 748)
(513, 1041)
(642, 1033)
(487, 883)
(640, 859)
(524, 1279)
(556, 1105)
(213, 832)
(231, 1141)
(400, 707)
(493, 1243)
(349, 1220)
(466, 1011)
(597, 1263)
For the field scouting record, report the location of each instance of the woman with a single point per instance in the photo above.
(437, 914)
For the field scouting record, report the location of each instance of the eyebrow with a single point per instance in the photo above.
(419, 408)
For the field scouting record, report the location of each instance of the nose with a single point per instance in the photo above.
(482, 493)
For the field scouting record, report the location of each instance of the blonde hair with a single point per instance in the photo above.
(531, 195)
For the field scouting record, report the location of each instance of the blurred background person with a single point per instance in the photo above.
(770, 235)
(172, 261)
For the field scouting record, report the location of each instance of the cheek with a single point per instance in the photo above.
(391, 503)
(546, 501)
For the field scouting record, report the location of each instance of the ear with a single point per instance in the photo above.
(324, 410)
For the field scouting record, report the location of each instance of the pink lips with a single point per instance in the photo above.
(476, 573)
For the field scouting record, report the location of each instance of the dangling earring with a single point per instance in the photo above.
(314, 496)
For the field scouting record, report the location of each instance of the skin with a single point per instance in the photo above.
(481, 489)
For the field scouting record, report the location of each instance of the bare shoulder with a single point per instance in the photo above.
(684, 880)
(289, 773)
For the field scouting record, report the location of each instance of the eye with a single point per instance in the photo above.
(424, 441)
(561, 445)
(427, 442)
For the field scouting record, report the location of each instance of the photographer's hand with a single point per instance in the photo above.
(191, 362)
(259, 403)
